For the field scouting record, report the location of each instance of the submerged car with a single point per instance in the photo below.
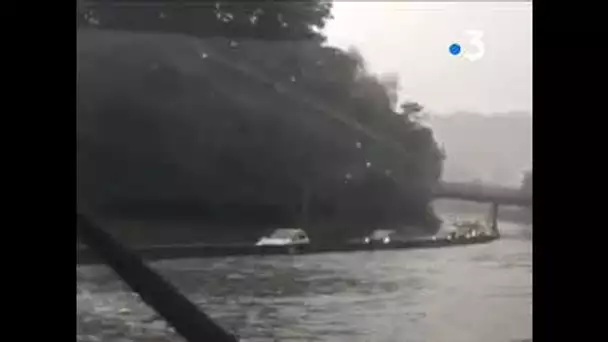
(465, 229)
(382, 236)
(285, 237)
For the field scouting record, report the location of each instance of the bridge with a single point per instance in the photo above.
(483, 194)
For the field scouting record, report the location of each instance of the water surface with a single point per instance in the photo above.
(479, 293)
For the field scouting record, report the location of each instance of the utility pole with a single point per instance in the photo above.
(494, 219)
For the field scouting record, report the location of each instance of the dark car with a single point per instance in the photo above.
(381, 236)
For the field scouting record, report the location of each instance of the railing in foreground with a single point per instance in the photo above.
(182, 314)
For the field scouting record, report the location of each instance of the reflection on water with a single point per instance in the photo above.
(473, 293)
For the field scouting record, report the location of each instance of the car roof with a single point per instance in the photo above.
(289, 230)
(383, 232)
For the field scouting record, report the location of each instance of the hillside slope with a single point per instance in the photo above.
(243, 133)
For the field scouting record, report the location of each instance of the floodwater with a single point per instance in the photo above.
(479, 293)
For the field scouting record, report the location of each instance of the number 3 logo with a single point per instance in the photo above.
(476, 41)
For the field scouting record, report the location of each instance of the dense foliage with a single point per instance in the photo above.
(276, 20)
(245, 131)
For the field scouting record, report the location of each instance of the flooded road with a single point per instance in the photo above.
(479, 293)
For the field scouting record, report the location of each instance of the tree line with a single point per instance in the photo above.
(243, 115)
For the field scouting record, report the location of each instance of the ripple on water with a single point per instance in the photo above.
(442, 295)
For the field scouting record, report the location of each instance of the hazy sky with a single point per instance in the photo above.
(412, 40)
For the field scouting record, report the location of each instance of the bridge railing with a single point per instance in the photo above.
(483, 193)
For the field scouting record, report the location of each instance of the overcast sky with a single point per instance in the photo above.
(412, 39)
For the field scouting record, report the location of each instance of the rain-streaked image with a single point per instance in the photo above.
(304, 171)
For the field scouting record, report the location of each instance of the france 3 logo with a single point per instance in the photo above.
(475, 48)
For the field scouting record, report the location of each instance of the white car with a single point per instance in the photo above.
(285, 237)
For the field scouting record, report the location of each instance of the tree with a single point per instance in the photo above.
(411, 111)
(238, 132)
(282, 20)
(390, 82)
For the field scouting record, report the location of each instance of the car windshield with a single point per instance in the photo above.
(283, 234)
(380, 234)
(203, 126)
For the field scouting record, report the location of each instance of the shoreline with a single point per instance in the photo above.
(165, 252)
